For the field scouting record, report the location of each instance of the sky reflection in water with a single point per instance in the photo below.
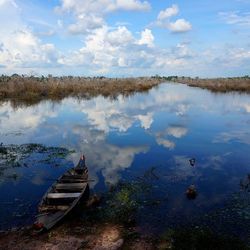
(124, 138)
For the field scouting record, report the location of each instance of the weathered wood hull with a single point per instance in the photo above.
(61, 198)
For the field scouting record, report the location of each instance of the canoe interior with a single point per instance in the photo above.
(69, 185)
(62, 197)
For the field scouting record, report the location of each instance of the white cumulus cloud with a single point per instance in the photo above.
(108, 49)
(147, 38)
(90, 14)
(177, 26)
(168, 12)
(180, 25)
(20, 48)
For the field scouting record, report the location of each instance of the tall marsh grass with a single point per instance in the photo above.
(240, 84)
(34, 89)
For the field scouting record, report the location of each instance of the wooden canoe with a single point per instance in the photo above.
(62, 196)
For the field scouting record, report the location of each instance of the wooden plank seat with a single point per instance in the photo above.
(63, 195)
(66, 180)
(73, 175)
(53, 207)
(80, 185)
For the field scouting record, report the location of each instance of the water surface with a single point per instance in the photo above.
(125, 138)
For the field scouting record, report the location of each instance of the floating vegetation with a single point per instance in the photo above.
(124, 199)
(233, 219)
(118, 205)
(26, 155)
(27, 165)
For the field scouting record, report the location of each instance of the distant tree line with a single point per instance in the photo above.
(42, 78)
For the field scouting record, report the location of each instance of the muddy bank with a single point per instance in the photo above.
(66, 237)
(108, 236)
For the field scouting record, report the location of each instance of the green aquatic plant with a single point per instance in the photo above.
(126, 197)
(122, 202)
(25, 155)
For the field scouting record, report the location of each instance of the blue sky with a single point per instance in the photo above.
(125, 37)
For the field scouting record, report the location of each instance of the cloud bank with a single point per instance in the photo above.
(118, 38)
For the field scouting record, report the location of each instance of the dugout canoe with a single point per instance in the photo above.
(62, 196)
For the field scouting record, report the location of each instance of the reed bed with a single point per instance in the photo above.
(30, 90)
(34, 89)
(240, 84)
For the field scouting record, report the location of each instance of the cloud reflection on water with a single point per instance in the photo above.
(239, 136)
(167, 115)
(103, 156)
(162, 129)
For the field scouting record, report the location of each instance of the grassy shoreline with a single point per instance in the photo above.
(35, 89)
(220, 85)
(30, 90)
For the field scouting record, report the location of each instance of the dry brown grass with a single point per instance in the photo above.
(35, 89)
(240, 84)
(31, 90)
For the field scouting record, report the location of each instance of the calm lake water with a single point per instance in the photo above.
(151, 135)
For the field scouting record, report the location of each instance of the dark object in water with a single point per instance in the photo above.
(191, 192)
(62, 197)
(94, 201)
(192, 162)
(245, 183)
